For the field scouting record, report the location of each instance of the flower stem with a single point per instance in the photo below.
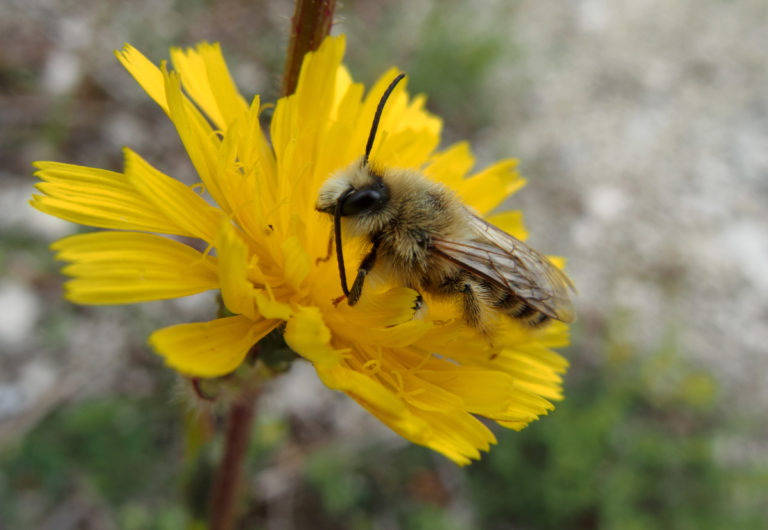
(228, 480)
(310, 24)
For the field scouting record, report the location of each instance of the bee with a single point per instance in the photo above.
(423, 237)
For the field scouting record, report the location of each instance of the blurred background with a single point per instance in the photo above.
(642, 128)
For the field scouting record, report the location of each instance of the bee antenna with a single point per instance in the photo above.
(377, 117)
(337, 236)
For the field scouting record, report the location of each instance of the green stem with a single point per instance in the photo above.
(310, 24)
(228, 480)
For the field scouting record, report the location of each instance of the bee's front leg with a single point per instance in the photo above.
(328, 253)
(365, 267)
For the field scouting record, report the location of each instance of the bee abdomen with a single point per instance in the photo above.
(536, 319)
(517, 308)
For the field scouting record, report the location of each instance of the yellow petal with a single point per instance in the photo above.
(455, 433)
(407, 133)
(297, 262)
(362, 387)
(514, 425)
(300, 121)
(315, 86)
(206, 79)
(307, 335)
(458, 435)
(426, 397)
(397, 336)
(485, 190)
(557, 261)
(246, 167)
(196, 134)
(237, 292)
(478, 389)
(179, 203)
(209, 349)
(269, 307)
(451, 165)
(338, 146)
(96, 197)
(511, 222)
(393, 306)
(128, 267)
(146, 74)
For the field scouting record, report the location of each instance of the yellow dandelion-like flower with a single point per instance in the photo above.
(428, 378)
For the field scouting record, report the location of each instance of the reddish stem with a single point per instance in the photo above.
(311, 23)
(229, 477)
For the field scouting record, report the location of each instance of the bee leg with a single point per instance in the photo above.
(473, 311)
(338, 300)
(459, 286)
(365, 267)
(328, 253)
(418, 302)
(476, 311)
(472, 306)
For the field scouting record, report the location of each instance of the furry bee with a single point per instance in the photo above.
(424, 238)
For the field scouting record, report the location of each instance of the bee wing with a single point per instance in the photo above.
(511, 265)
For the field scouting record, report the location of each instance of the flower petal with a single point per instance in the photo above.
(317, 82)
(395, 305)
(511, 222)
(246, 167)
(397, 336)
(269, 307)
(209, 349)
(455, 433)
(146, 74)
(199, 139)
(237, 291)
(338, 146)
(451, 165)
(362, 387)
(307, 335)
(485, 190)
(457, 437)
(96, 197)
(206, 79)
(129, 267)
(297, 262)
(178, 202)
(407, 133)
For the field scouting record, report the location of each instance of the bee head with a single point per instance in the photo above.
(356, 190)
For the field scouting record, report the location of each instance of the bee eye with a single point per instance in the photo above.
(361, 201)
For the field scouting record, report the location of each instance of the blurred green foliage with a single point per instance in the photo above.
(454, 72)
(632, 447)
(101, 452)
(371, 490)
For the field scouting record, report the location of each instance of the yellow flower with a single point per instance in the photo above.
(428, 378)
